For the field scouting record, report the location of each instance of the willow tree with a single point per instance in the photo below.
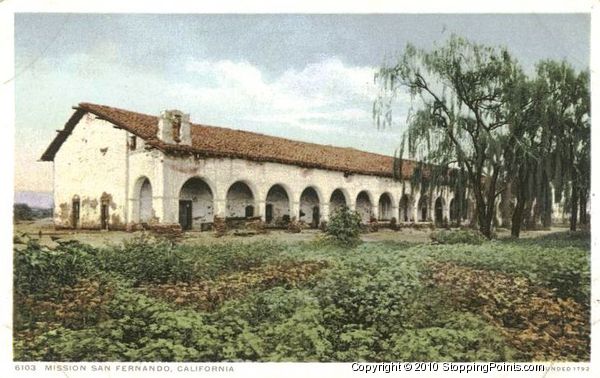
(565, 118)
(527, 156)
(458, 120)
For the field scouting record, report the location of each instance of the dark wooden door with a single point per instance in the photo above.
(104, 216)
(269, 213)
(185, 214)
(315, 216)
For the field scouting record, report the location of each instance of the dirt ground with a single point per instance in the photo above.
(49, 235)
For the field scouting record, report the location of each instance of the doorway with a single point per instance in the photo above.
(315, 216)
(185, 214)
(76, 206)
(269, 213)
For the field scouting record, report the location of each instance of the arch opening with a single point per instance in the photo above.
(364, 207)
(468, 210)
(310, 207)
(385, 207)
(277, 208)
(423, 209)
(439, 211)
(145, 201)
(196, 209)
(337, 201)
(454, 210)
(240, 201)
(404, 209)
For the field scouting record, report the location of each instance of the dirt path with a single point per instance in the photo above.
(49, 235)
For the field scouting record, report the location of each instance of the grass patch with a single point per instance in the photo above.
(457, 237)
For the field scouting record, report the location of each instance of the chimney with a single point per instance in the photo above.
(174, 127)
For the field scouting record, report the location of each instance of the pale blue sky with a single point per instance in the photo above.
(307, 77)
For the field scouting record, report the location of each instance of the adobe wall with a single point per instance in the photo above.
(89, 169)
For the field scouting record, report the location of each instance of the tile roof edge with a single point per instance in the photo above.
(86, 107)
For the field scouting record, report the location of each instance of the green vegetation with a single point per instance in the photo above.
(150, 300)
(23, 212)
(457, 237)
(344, 227)
(477, 113)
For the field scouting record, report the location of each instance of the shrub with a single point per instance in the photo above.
(22, 211)
(457, 237)
(38, 268)
(147, 259)
(462, 337)
(344, 227)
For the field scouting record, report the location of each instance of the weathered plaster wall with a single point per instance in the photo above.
(91, 164)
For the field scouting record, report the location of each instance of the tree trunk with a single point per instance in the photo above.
(505, 209)
(583, 208)
(574, 206)
(517, 218)
(485, 226)
(535, 218)
(547, 202)
(528, 214)
(485, 219)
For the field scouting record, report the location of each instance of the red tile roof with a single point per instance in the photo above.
(212, 141)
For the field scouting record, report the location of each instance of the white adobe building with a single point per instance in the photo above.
(116, 169)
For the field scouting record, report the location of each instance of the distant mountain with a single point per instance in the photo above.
(41, 200)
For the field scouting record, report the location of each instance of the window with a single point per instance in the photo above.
(75, 212)
(132, 142)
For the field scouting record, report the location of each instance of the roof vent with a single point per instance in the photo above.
(174, 127)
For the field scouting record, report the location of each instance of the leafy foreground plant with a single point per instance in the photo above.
(299, 302)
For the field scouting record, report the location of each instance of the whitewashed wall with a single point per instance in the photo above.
(91, 165)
